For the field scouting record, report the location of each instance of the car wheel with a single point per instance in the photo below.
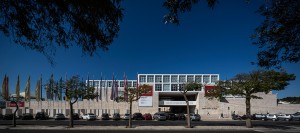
(273, 119)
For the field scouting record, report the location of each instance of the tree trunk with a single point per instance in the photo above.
(188, 119)
(130, 114)
(71, 124)
(14, 116)
(248, 112)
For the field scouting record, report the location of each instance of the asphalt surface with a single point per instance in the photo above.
(147, 126)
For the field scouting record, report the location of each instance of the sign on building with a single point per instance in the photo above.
(146, 98)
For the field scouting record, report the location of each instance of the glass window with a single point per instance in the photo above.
(129, 83)
(103, 83)
(150, 78)
(214, 78)
(198, 78)
(167, 87)
(181, 86)
(109, 83)
(121, 83)
(190, 78)
(134, 84)
(142, 78)
(174, 87)
(182, 78)
(157, 87)
(206, 78)
(96, 84)
(166, 78)
(174, 78)
(158, 78)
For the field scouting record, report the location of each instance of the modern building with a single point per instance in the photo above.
(163, 96)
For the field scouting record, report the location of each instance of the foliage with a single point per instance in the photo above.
(43, 25)
(256, 81)
(176, 6)
(248, 84)
(292, 100)
(278, 36)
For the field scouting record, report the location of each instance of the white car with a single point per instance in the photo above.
(89, 116)
(286, 117)
(272, 117)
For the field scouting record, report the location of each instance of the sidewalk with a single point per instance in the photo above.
(80, 127)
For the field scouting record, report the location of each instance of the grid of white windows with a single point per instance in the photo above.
(150, 78)
(166, 78)
(198, 78)
(206, 78)
(190, 78)
(182, 78)
(174, 78)
(158, 78)
(214, 78)
(167, 87)
(142, 78)
(174, 87)
(158, 87)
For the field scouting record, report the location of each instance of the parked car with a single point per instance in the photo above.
(284, 117)
(89, 116)
(171, 116)
(76, 116)
(137, 116)
(272, 117)
(59, 116)
(147, 116)
(104, 116)
(160, 116)
(126, 116)
(41, 116)
(180, 116)
(296, 116)
(116, 116)
(8, 117)
(195, 117)
(27, 116)
(259, 116)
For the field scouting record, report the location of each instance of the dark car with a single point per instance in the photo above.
(8, 117)
(104, 116)
(180, 116)
(76, 116)
(116, 116)
(171, 116)
(41, 116)
(27, 116)
(137, 116)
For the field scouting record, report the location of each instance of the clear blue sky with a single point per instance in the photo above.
(207, 41)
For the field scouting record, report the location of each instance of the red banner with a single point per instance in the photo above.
(12, 104)
(150, 92)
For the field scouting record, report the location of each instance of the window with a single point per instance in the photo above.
(198, 78)
(174, 78)
(109, 83)
(206, 78)
(96, 84)
(157, 87)
(142, 78)
(129, 84)
(174, 87)
(121, 83)
(182, 78)
(190, 78)
(134, 84)
(167, 87)
(103, 83)
(150, 78)
(157, 78)
(166, 78)
(181, 87)
(214, 78)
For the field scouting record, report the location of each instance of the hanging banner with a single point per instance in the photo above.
(12, 104)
